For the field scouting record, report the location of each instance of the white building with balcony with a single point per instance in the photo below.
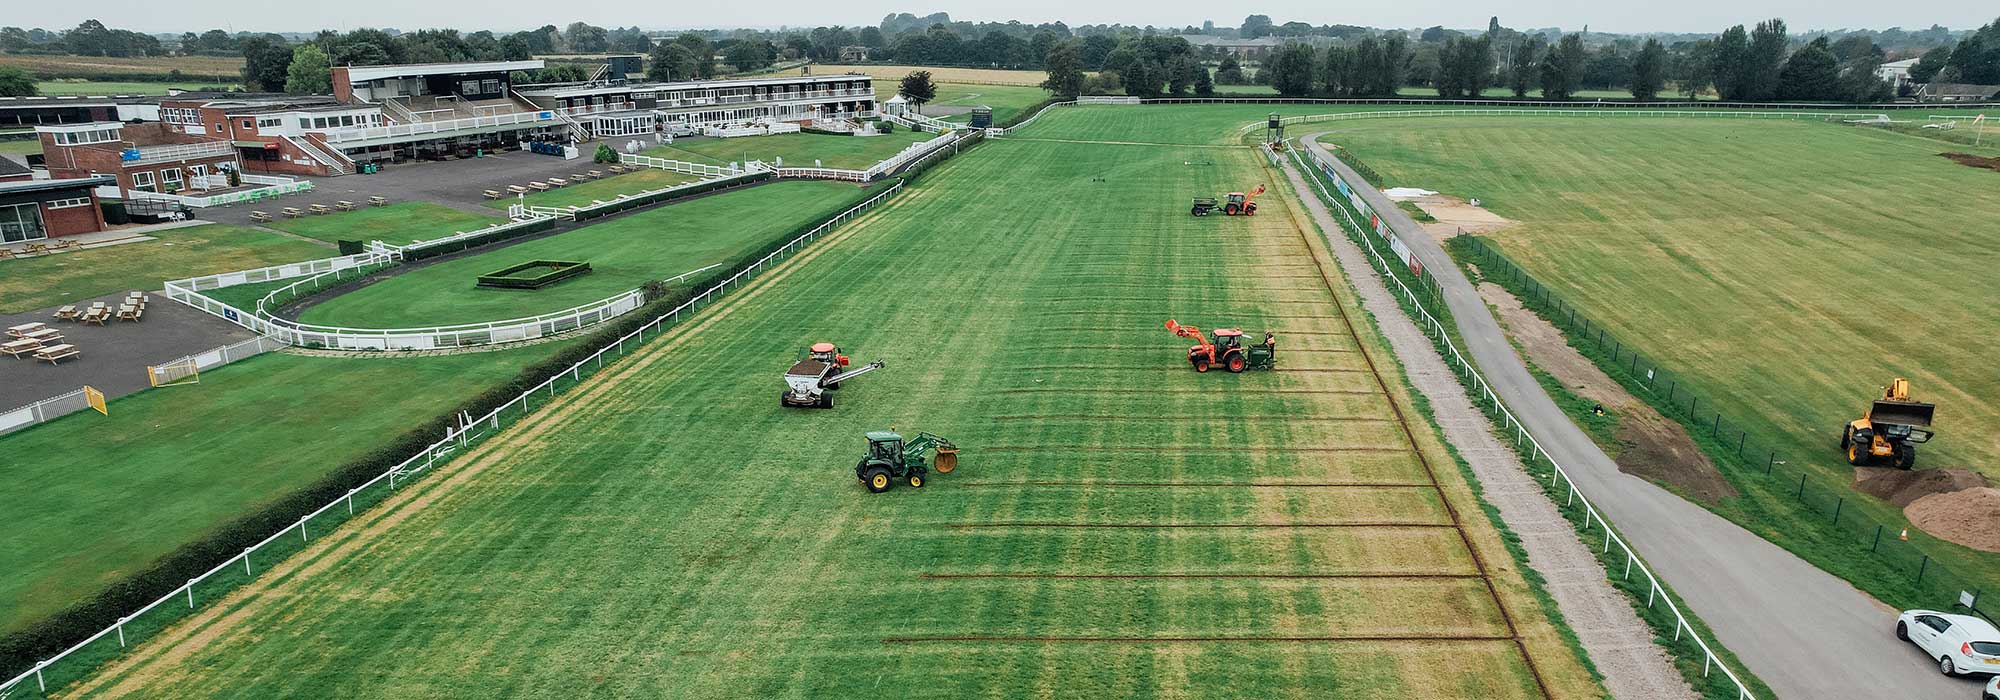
(686, 107)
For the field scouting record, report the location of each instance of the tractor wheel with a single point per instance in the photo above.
(784, 399)
(1201, 364)
(1906, 456)
(1237, 364)
(1856, 454)
(825, 401)
(1846, 436)
(915, 480)
(877, 479)
(1231, 210)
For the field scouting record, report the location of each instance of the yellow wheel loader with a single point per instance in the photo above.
(1890, 431)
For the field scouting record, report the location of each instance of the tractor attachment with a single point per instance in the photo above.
(1202, 206)
(819, 371)
(1891, 430)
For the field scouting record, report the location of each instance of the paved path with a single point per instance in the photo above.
(1619, 643)
(1806, 632)
(115, 355)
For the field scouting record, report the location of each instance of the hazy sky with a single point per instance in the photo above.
(499, 15)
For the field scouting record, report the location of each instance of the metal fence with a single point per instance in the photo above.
(179, 602)
(1656, 593)
(42, 411)
(1816, 497)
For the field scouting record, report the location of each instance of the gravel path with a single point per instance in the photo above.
(1619, 643)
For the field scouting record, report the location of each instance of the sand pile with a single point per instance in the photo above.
(1970, 517)
(1903, 486)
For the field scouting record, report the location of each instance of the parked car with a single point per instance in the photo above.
(1992, 690)
(1961, 643)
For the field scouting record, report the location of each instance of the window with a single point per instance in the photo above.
(21, 222)
(181, 115)
(270, 122)
(68, 203)
(488, 87)
(142, 182)
(171, 177)
(78, 138)
(247, 123)
(468, 87)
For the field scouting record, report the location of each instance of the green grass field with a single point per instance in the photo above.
(397, 224)
(199, 69)
(623, 253)
(21, 148)
(50, 280)
(54, 88)
(1006, 100)
(1785, 283)
(604, 189)
(104, 496)
(799, 150)
(671, 532)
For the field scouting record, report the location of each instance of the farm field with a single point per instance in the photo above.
(105, 496)
(53, 88)
(605, 189)
(196, 69)
(798, 150)
(1785, 284)
(40, 282)
(1118, 524)
(1006, 100)
(397, 224)
(624, 253)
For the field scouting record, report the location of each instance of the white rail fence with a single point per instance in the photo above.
(913, 153)
(676, 166)
(222, 198)
(456, 439)
(42, 411)
(1655, 592)
(1622, 112)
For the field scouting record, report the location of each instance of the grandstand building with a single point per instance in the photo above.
(687, 107)
(146, 157)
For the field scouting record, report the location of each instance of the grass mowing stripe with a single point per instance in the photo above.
(1201, 484)
(1088, 577)
(1172, 640)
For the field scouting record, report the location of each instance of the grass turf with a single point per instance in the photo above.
(623, 253)
(39, 282)
(97, 88)
(103, 496)
(798, 150)
(21, 148)
(679, 534)
(397, 224)
(605, 189)
(1784, 283)
(1006, 100)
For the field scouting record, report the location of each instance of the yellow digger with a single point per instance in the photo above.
(1891, 429)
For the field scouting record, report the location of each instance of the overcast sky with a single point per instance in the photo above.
(508, 15)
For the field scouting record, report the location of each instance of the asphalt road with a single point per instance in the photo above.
(1805, 632)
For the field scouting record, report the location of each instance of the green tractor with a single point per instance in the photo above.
(890, 457)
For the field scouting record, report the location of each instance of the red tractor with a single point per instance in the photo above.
(1226, 348)
(1242, 203)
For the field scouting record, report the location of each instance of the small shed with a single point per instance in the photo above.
(897, 106)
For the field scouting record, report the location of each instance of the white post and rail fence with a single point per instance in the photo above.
(456, 439)
(1558, 476)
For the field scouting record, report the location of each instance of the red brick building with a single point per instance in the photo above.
(147, 157)
(32, 210)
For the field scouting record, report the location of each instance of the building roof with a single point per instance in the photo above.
(65, 184)
(10, 168)
(1961, 90)
(362, 74)
(581, 90)
(308, 104)
(1905, 63)
(1211, 40)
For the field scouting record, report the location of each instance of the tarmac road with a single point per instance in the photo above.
(1805, 632)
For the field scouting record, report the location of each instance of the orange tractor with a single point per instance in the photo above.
(1226, 348)
(1243, 203)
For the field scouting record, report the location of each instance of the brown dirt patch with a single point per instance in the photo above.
(1972, 161)
(1456, 216)
(1650, 445)
(1903, 487)
(1970, 517)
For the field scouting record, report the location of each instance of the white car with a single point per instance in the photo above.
(1961, 643)
(1992, 690)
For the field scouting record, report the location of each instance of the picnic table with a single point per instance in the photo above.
(492, 194)
(42, 336)
(595, 173)
(130, 312)
(25, 328)
(543, 186)
(55, 353)
(259, 216)
(97, 315)
(320, 209)
(557, 182)
(378, 201)
(21, 347)
(36, 249)
(67, 313)
(517, 189)
(291, 212)
(344, 205)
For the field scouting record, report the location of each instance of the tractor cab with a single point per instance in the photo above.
(1236, 200)
(885, 446)
(1227, 339)
(827, 353)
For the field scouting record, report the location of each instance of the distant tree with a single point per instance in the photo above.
(15, 82)
(1694, 70)
(1292, 69)
(266, 62)
(704, 54)
(1435, 35)
(1928, 66)
(871, 37)
(1524, 65)
(15, 39)
(1064, 65)
(669, 62)
(1097, 50)
(636, 42)
(1976, 58)
(1729, 64)
(748, 55)
(1182, 73)
(1856, 47)
(1562, 68)
(1230, 71)
(1142, 77)
(1766, 59)
(1395, 62)
(1649, 70)
(1337, 76)
(1255, 26)
(1464, 66)
(1204, 85)
(514, 47)
(918, 89)
(1811, 73)
(309, 72)
(584, 37)
(561, 73)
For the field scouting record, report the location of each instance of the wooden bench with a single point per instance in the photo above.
(291, 212)
(492, 194)
(67, 313)
(578, 177)
(540, 186)
(130, 312)
(56, 353)
(36, 249)
(378, 201)
(595, 173)
(25, 328)
(517, 189)
(43, 336)
(97, 315)
(20, 347)
(344, 205)
(259, 216)
(67, 244)
(558, 182)
(320, 209)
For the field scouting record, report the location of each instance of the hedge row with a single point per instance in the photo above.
(19, 651)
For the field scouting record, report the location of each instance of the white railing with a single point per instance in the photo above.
(251, 195)
(1106, 100)
(398, 112)
(825, 174)
(913, 152)
(272, 273)
(456, 439)
(1437, 330)
(366, 133)
(433, 337)
(181, 151)
(336, 162)
(773, 97)
(676, 166)
(42, 411)
(920, 122)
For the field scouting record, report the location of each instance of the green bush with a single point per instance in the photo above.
(605, 154)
